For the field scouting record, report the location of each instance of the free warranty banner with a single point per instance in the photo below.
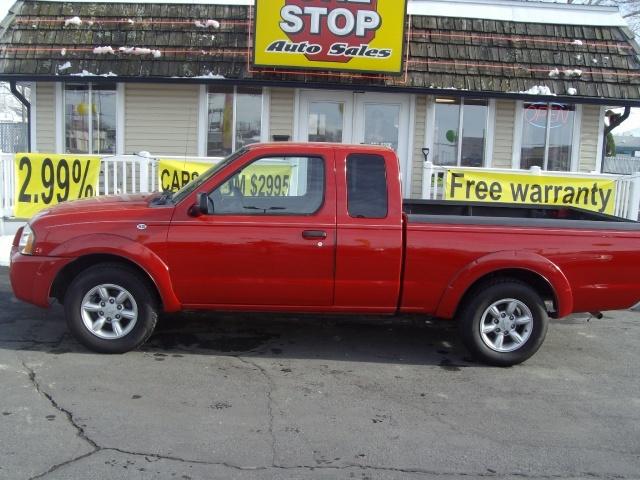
(348, 35)
(43, 180)
(255, 180)
(587, 193)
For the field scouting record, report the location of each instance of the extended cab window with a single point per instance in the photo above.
(273, 186)
(366, 186)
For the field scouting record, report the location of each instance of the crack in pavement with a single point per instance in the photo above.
(63, 464)
(79, 429)
(270, 402)
(69, 416)
(363, 468)
(95, 448)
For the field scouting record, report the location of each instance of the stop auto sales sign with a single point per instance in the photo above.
(351, 35)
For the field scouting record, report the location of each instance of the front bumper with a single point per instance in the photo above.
(32, 276)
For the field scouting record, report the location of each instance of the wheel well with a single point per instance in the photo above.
(534, 280)
(72, 270)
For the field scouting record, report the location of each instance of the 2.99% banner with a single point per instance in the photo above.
(44, 180)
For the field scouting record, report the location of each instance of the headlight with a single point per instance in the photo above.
(27, 241)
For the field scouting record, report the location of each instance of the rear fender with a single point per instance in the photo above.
(507, 260)
(104, 244)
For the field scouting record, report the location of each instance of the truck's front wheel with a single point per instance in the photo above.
(110, 308)
(503, 322)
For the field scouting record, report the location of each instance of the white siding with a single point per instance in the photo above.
(282, 112)
(418, 145)
(503, 137)
(589, 137)
(45, 118)
(161, 119)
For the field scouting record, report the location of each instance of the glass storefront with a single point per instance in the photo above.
(547, 136)
(460, 132)
(382, 125)
(326, 120)
(90, 118)
(234, 119)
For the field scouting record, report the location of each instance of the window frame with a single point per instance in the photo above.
(489, 129)
(518, 133)
(203, 117)
(61, 130)
(275, 213)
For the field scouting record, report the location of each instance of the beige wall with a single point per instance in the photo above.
(282, 111)
(589, 132)
(45, 118)
(418, 144)
(161, 119)
(503, 135)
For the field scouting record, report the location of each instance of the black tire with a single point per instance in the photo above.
(139, 288)
(472, 317)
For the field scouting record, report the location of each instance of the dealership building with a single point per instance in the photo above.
(498, 83)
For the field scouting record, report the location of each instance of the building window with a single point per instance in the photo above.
(234, 119)
(90, 118)
(547, 136)
(460, 132)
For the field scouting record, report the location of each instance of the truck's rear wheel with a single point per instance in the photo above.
(110, 308)
(503, 322)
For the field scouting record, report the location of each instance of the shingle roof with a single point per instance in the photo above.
(443, 53)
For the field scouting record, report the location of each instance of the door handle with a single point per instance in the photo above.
(314, 234)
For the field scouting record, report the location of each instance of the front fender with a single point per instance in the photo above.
(146, 259)
(507, 260)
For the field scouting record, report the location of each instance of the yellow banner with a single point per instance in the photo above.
(43, 180)
(477, 186)
(262, 181)
(175, 174)
(255, 180)
(348, 35)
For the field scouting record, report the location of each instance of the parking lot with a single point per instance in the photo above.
(262, 397)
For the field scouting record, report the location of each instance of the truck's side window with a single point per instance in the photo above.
(273, 186)
(367, 195)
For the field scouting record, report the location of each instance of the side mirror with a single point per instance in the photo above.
(201, 206)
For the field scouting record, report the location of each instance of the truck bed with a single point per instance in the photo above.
(596, 254)
(465, 213)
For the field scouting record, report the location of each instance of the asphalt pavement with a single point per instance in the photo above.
(270, 397)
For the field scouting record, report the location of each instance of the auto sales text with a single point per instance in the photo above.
(335, 50)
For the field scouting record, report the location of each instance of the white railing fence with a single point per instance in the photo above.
(621, 165)
(7, 184)
(124, 174)
(627, 186)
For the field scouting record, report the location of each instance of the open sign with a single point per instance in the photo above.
(559, 115)
(355, 35)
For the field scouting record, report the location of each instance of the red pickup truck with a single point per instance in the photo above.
(322, 228)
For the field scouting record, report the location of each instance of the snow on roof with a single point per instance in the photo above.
(505, 10)
(518, 11)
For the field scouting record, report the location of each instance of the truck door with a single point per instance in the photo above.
(269, 241)
(369, 252)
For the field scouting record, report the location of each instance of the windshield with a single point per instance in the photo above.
(195, 184)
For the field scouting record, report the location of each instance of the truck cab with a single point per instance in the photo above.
(291, 227)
